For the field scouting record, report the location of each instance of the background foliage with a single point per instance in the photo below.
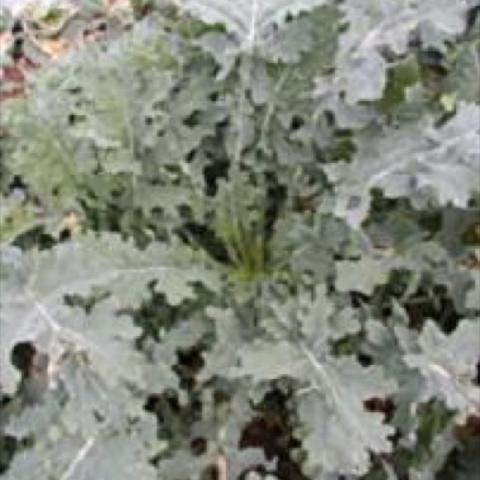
(242, 242)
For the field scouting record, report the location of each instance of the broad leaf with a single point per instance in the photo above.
(373, 26)
(33, 308)
(251, 20)
(415, 160)
(330, 391)
(108, 454)
(449, 365)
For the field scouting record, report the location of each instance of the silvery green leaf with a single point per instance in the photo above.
(87, 113)
(285, 45)
(384, 344)
(163, 355)
(184, 465)
(314, 245)
(36, 419)
(320, 319)
(328, 96)
(331, 392)
(229, 337)
(36, 283)
(340, 432)
(288, 44)
(91, 400)
(362, 275)
(222, 48)
(251, 20)
(261, 360)
(373, 26)
(405, 162)
(110, 453)
(448, 364)
(440, 21)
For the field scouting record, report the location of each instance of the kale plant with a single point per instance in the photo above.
(241, 241)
